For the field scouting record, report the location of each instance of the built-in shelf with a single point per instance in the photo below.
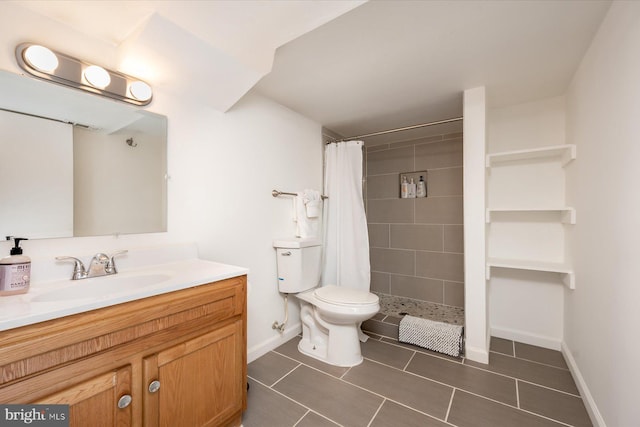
(567, 214)
(566, 153)
(553, 267)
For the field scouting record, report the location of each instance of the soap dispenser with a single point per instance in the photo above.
(15, 270)
(404, 188)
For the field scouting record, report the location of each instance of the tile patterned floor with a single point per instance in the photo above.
(401, 385)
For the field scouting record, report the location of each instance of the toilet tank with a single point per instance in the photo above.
(299, 262)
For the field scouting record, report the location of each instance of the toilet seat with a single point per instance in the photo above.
(337, 295)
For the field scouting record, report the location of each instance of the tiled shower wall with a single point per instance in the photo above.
(416, 245)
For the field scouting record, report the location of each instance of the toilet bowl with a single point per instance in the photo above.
(330, 315)
(331, 318)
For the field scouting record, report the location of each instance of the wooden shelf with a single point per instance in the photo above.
(566, 153)
(553, 267)
(567, 214)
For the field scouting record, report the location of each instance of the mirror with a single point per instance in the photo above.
(77, 164)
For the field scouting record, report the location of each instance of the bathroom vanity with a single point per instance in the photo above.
(174, 356)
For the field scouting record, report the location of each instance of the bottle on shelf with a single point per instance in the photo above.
(412, 190)
(421, 191)
(404, 188)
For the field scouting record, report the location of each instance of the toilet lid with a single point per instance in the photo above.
(345, 296)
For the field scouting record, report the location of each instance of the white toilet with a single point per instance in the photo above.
(330, 315)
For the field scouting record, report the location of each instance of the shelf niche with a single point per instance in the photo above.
(566, 153)
(567, 272)
(567, 214)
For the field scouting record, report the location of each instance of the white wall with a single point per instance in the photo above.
(533, 124)
(527, 306)
(475, 287)
(602, 315)
(222, 167)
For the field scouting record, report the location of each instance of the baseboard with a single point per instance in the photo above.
(476, 354)
(526, 338)
(587, 398)
(277, 340)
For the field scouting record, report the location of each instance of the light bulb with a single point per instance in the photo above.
(97, 76)
(41, 58)
(140, 91)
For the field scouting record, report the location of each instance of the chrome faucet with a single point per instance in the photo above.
(101, 265)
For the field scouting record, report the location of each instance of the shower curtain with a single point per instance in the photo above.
(345, 240)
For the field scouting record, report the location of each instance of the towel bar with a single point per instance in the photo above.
(276, 193)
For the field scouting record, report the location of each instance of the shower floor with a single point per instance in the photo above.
(397, 307)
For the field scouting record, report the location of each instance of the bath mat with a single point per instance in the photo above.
(436, 336)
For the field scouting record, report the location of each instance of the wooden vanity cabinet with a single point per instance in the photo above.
(95, 402)
(180, 357)
(195, 381)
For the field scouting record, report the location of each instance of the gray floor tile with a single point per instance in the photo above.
(307, 397)
(541, 355)
(392, 414)
(314, 420)
(372, 335)
(379, 316)
(290, 349)
(260, 412)
(421, 349)
(468, 410)
(418, 393)
(344, 403)
(500, 345)
(380, 328)
(559, 379)
(270, 368)
(393, 320)
(386, 353)
(465, 377)
(553, 404)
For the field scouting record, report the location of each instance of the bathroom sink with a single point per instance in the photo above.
(102, 286)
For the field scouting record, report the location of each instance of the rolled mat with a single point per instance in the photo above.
(436, 336)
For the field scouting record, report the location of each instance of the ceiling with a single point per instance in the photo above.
(355, 67)
(389, 64)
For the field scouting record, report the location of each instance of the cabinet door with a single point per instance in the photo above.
(95, 402)
(200, 381)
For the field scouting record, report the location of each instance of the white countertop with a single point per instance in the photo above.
(47, 300)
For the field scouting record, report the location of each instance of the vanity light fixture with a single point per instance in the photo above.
(57, 67)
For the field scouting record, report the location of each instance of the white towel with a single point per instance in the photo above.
(312, 203)
(306, 226)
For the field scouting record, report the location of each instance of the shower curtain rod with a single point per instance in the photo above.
(384, 132)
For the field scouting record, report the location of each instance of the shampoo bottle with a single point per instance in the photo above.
(422, 188)
(412, 189)
(15, 271)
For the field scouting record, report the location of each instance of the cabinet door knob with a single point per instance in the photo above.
(124, 401)
(154, 386)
